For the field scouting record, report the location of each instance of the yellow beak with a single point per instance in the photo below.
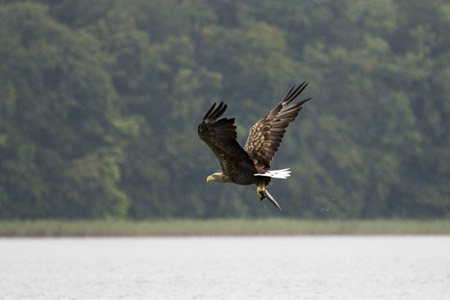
(209, 178)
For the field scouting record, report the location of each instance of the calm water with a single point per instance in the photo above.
(226, 268)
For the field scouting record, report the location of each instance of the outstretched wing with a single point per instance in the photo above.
(266, 135)
(221, 137)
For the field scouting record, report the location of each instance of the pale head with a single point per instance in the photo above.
(218, 177)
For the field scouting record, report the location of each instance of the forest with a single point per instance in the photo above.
(100, 103)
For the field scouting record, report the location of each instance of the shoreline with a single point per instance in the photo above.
(220, 227)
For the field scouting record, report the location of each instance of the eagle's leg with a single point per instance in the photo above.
(260, 191)
(263, 194)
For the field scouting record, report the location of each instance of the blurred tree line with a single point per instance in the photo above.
(100, 102)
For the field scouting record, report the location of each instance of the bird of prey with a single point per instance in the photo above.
(251, 164)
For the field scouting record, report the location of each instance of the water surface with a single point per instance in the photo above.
(226, 268)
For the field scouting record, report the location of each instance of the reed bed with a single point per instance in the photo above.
(219, 227)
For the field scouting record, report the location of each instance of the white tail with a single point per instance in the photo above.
(281, 174)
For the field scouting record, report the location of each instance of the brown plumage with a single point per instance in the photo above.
(251, 164)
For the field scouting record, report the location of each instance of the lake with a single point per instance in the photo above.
(226, 268)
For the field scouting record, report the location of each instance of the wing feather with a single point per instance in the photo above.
(266, 135)
(220, 135)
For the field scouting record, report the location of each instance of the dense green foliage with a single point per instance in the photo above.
(100, 101)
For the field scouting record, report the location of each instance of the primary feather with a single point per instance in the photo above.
(266, 135)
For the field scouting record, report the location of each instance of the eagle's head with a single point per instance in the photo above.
(218, 177)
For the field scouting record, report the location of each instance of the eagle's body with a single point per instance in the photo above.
(251, 164)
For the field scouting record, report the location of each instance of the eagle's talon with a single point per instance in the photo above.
(260, 192)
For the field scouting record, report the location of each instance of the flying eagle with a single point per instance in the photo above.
(251, 164)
